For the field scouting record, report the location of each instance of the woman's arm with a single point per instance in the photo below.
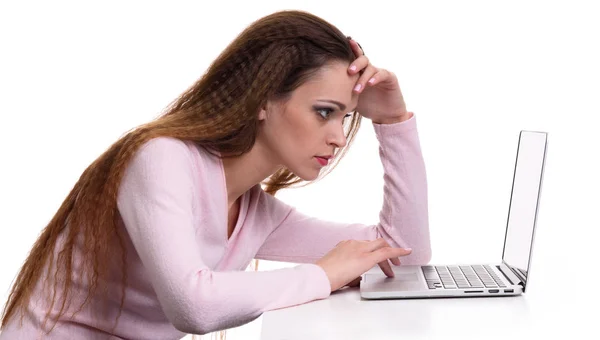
(403, 220)
(156, 203)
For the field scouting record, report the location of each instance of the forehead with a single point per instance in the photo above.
(331, 81)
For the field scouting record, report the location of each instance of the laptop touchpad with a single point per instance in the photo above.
(400, 281)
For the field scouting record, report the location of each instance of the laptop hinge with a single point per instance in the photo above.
(522, 277)
(519, 275)
(510, 275)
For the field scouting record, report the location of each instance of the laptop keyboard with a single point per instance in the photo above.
(457, 277)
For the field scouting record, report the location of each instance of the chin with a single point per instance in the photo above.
(309, 178)
(307, 174)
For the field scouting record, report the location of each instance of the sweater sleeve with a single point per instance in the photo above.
(156, 202)
(403, 219)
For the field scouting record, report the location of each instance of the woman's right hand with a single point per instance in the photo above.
(351, 258)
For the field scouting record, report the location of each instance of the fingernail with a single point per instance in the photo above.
(408, 249)
(357, 87)
(371, 81)
(353, 68)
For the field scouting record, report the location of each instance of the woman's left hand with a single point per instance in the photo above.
(380, 98)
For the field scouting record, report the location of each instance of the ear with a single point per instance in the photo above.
(262, 114)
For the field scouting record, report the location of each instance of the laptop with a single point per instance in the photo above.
(506, 278)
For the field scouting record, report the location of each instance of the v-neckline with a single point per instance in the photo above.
(241, 214)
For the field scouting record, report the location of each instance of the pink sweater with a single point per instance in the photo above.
(186, 276)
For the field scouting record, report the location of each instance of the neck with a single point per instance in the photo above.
(245, 171)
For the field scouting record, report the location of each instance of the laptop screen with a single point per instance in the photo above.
(524, 200)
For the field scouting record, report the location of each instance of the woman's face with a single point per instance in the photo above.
(305, 129)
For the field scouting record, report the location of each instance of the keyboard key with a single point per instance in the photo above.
(495, 277)
(430, 276)
(453, 277)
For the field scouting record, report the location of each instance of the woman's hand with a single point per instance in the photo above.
(380, 98)
(350, 259)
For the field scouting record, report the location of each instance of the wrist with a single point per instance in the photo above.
(395, 119)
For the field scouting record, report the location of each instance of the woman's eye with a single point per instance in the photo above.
(324, 112)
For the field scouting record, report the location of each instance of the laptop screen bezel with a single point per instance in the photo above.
(537, 205)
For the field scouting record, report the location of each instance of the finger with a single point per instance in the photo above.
(386, 268)
(375, 244)
(395, 261)
(358, 51)
(355, 282)
(341, 242)
(385, 253)
(358, 65)
(361, 83)
(378, 77)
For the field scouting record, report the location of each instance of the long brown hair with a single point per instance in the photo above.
(268, 60)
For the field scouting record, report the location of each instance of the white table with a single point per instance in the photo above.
(543, 310)
(562, 299)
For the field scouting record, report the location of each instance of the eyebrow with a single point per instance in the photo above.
(342, 106)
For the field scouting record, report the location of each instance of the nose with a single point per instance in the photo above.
(337, 136)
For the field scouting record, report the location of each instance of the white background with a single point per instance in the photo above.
(74, 77)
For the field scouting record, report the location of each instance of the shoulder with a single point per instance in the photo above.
(163, 146)
(174, 158)
(170, 149)
(170, 166)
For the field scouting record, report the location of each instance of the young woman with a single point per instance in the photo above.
(153, 240)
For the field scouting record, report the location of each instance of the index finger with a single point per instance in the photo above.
(375, 244)
(358, 51)
(385, 253)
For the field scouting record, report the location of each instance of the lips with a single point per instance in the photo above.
(322, 160)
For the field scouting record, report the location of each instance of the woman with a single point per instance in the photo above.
(153, 240)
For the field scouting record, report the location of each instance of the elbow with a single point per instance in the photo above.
(192, 315)
(201, 308)
(423, 250)
(190, 327)
(185, 322)
(419, 256)
(200, 315)
(426, 256)
(205, 324)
